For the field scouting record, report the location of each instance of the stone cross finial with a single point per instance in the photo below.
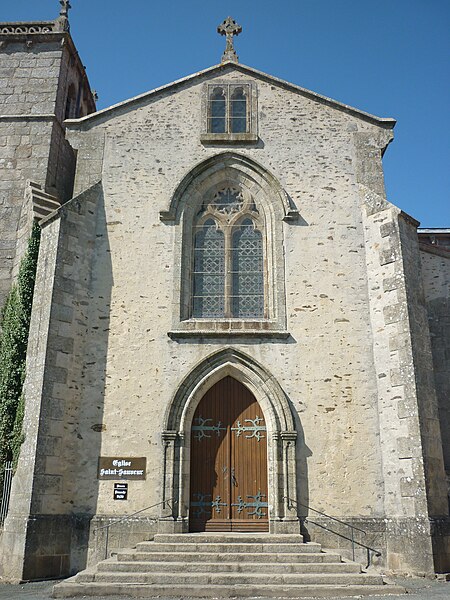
(63, 20)
(65, 7)
(229, 28)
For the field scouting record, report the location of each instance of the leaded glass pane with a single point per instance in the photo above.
(217, 116)
(238, 113)
(247, 272)
(209, 272)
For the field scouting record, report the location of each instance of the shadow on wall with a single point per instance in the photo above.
(88, 426)
(302, 455)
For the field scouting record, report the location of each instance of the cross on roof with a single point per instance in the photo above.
(62, 22)
(65, 7)
(229, 28)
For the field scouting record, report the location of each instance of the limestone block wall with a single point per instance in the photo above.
(326, 368)
(347, 364)
(24, 156)
(45, 533)
(29, 76)
(35, 73)
(436, 278)
(438, 508)
(28, 83)
(409, 427)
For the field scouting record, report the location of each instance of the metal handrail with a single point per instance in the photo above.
(352, 529)
(126, 517)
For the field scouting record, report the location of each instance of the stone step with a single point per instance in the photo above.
(226, 567)
(71, 589)
(227, 538)
(217, 579)
(227, 547)
(253, 557)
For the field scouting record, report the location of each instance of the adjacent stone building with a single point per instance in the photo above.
(227, 306)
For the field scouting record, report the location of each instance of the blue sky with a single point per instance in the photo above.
(386, 57)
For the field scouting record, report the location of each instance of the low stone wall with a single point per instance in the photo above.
(327, 532)
(103, 541)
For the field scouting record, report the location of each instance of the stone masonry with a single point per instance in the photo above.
(38, 65)
(350, 367)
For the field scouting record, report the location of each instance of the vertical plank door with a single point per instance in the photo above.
(228, 483)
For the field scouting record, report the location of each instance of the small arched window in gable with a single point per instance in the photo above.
(217, 116)
(228, 262)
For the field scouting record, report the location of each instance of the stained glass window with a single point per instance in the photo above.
(228, 265)
(247, 272)
(209, 271)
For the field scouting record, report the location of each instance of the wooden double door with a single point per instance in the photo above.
(228, 481)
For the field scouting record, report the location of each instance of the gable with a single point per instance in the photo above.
(217, 72)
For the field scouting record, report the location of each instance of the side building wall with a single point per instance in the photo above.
(436, 278)
(36, 70)
(45, 532)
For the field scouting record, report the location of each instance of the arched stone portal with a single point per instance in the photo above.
(281, 439)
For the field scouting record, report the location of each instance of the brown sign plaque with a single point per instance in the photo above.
(119, 468)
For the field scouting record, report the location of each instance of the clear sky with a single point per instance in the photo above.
(386, 57)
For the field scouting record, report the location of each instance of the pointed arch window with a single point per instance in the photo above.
(228, 263)
(209, 270)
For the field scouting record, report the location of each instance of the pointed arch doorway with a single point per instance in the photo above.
(228, 466)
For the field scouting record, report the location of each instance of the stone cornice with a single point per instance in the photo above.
(28, 117)
(29, 27)
(432, 249)
(224, 334)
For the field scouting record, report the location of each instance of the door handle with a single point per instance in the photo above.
(233, 478)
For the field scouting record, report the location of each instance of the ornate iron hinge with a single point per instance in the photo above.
(257, 505)
(202, 428)
(202, 504)
(254, 429)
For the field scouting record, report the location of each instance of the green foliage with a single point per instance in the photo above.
(15, 323)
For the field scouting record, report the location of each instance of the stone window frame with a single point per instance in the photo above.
(276, 208)
(251, 136)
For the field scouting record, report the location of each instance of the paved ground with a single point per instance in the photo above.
(418, 589)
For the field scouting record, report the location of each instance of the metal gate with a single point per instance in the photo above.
(6, 491)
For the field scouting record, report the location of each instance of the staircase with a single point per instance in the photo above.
(224, 565)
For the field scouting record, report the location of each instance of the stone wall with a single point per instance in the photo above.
(436, 278)
(35, 73)
(45, 533)
(325, 367)
(352, 367)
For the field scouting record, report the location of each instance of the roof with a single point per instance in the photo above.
(121, 107)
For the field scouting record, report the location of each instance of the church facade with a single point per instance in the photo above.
(231, 323)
